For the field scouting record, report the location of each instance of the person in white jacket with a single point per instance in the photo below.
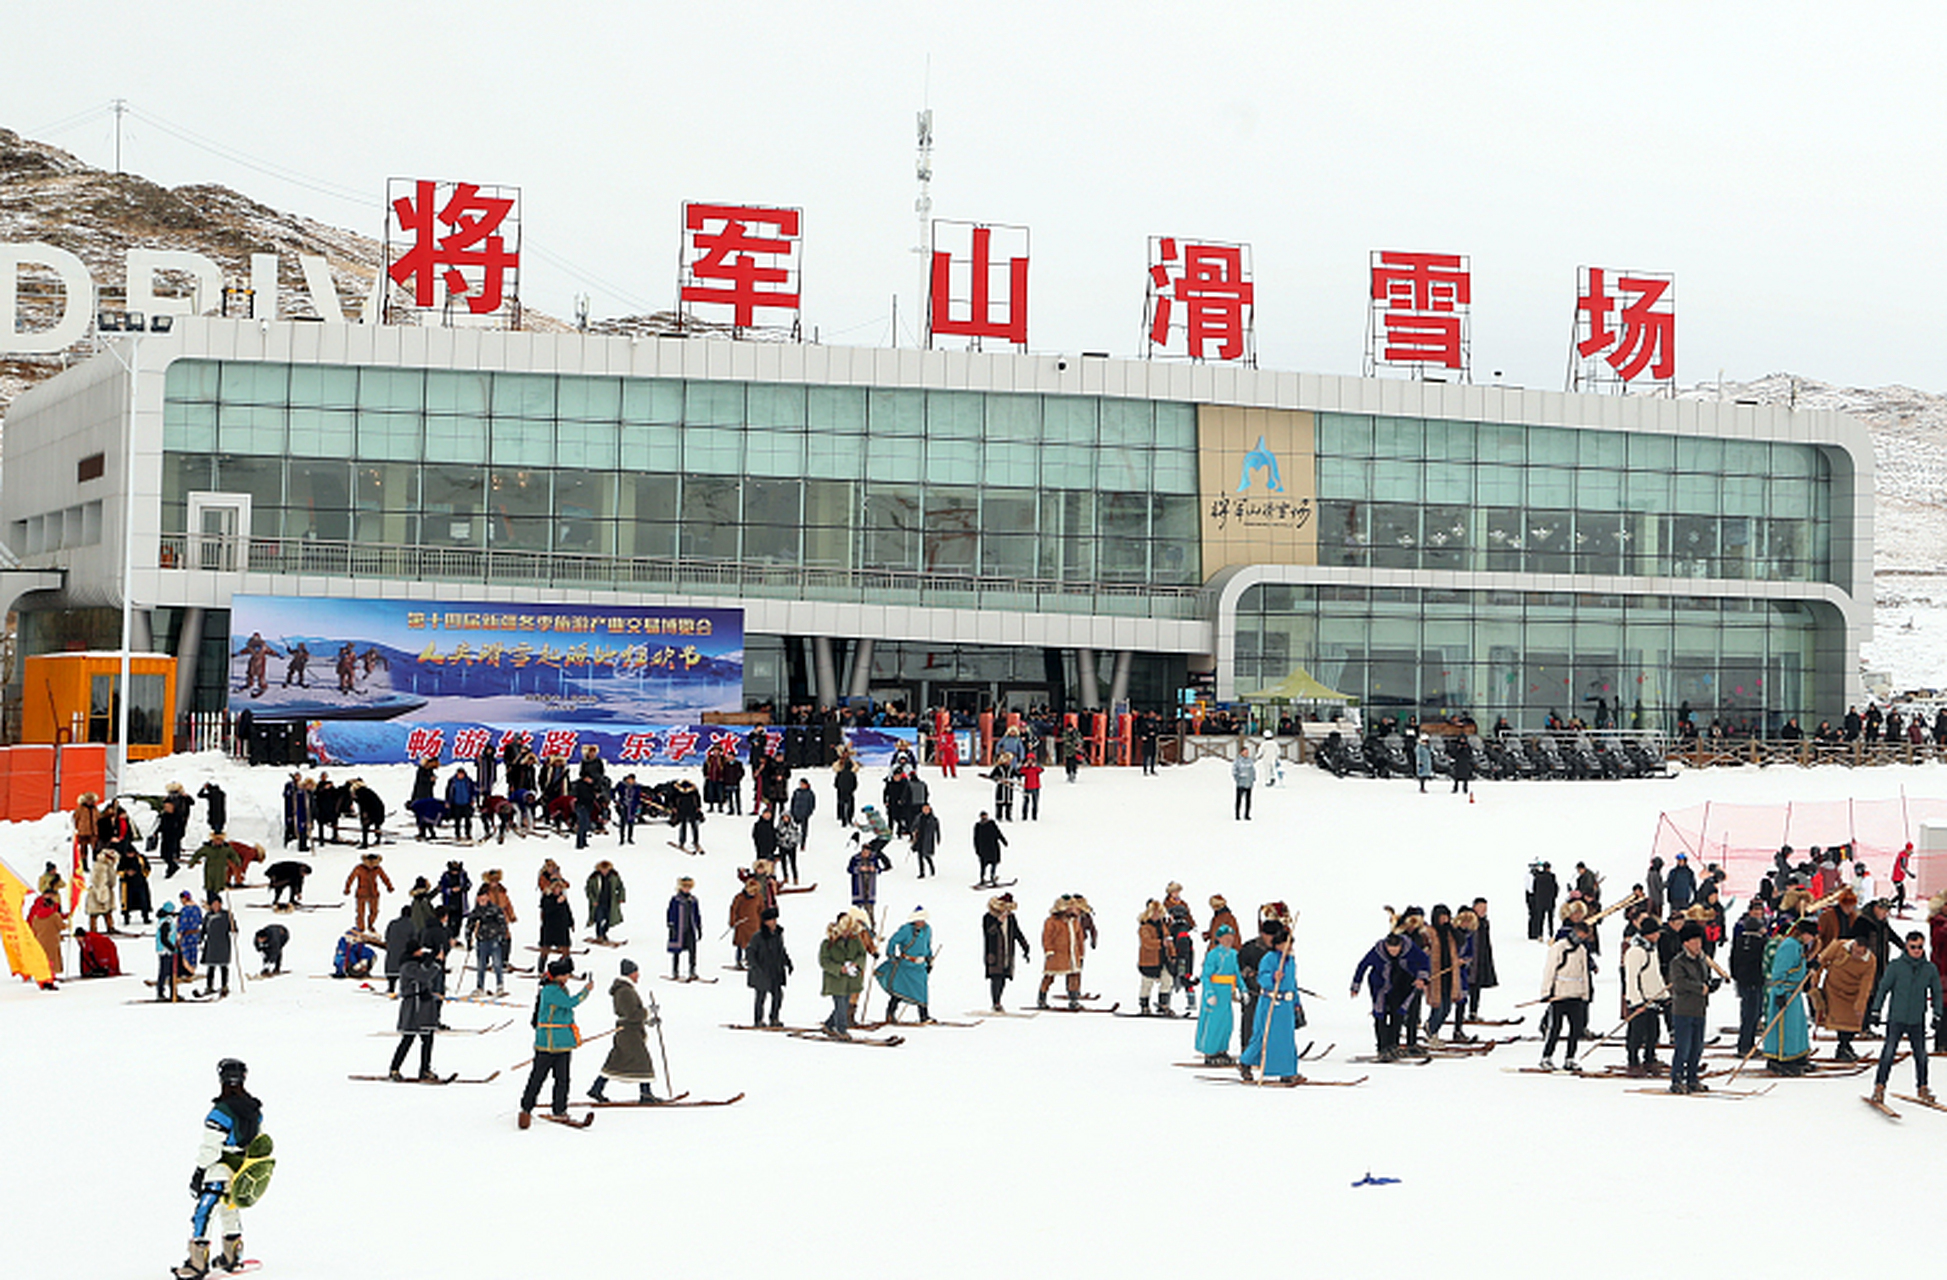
(1566, 982)
(1644, 995)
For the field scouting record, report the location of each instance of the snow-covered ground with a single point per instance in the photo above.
(1014, 1148)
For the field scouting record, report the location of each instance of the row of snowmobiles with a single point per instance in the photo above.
(1537, 755)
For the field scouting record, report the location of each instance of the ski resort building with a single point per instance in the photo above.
(961, 528)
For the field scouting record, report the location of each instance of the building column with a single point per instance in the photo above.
(189, 646)
(1119, 682)
(141, 634)
(860, 685)
(826, 670)
(1088, 693)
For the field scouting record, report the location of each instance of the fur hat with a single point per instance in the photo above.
(768, 913)
(918, 916)
(1691, 930)
(560, 968)
(1863, 931)
(1217, 902)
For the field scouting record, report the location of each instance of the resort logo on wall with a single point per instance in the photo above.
(1256, 469)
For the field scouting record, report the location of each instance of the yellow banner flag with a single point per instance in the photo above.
(24, 954)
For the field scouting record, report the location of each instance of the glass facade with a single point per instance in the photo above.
(1403, 493)
(1527, 654)
(1057, 488)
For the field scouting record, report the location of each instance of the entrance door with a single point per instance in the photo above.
(219, 528)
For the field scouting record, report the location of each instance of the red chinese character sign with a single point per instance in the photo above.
(1200, 300)
(1625, 330)
(979, 283)
(1417, 312)
(742, 257)
(452, 243)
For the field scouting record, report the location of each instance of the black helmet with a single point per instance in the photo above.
(231, 1071)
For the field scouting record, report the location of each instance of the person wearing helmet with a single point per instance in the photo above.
(233, 1123)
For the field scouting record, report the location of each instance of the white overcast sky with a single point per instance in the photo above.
(1783, 159)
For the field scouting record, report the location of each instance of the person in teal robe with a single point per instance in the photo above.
(1214, 1019)
(908, 964)
(1274, 1040)
(1787, 1039)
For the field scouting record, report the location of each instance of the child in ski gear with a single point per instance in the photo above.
(555, 1038)
(233, 1123)
(628, 1055)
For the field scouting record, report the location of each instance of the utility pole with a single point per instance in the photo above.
(120, 107)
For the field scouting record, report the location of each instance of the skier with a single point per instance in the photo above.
(171, 825)
(1460, 761)
(1447, 984)
(1847, 972)
(1422, 761)
(1787, 1044)
(1244, 774)
(864, 869)
(746, 914)
(606, 894)
(100, 899)
(628, 1057)
(1480, 972)
(1902, 871)
(1183, 946)
(841, 958)
(804, 803)
(845, 786)
(1154, 948)
(400, 935)
(189, 931)
(363, 884)
(685, 920)
(460, 793)
(1071, 750)
(286, 877)
(1274, 1038)
(1643, 997)
(1680, 886)
(219, 936)
(133, 871)
(1031, 790)
(419, 1001)
(689, 816)
(270, 942)
(1394, 971)
(229, 1130)
(907, 966)
(1061, 952)
(987, 841)
(557, 922)
(1567, 980)
(351, 958)
(926, 839)
(790, 837)
(628, 808)
(555, 1038)
(1214, 1017)
(1691, 983)
(1909, 988)
(488, 936)
(168, 963)
(1000, 934)
(1002, 775)
(768, 965)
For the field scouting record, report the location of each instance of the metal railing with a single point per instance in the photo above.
(1709, 752)
(678, 574)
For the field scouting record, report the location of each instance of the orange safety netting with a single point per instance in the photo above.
(1742, 838)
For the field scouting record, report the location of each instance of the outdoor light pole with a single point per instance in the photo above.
(134, 365)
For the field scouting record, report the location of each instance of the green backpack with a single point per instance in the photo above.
(252, 1172)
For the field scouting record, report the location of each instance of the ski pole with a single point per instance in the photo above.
(657, 1014)
(236, 953)
(602, 1035)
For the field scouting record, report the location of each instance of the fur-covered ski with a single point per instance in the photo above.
(999, 884)
(680, 1100)
(1163, 1015)
(745, 1026)
(1921, 1102)
(685, 848)
(798, 888)
(301, 906)
(1289, 1082)
(667, 977)
(1500, 1022)
(931, 1022)
(996, 1013)
(411, 1079)
(573, 951)
(572, 1123)
(1733, 1095)
(1403, 1060)
(889, 1042)
(1065, 1008)
(607, 942)
(456, 1031)
(1880, 1107)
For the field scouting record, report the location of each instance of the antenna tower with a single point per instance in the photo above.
(923, 169)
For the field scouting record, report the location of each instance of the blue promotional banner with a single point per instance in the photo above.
(342, 742)
(482, 663)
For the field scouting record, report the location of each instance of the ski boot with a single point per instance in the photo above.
(1926, 1095)
(1074, 1003)
(1845, 1053)
(1245, 1071)
(1879, 1095)
(1569, 1064)
(1041, 1000)
(428, 1076)
(232, 1256)
(647, 1096)
(1546, 1064)
(394, 1076)
(197, 1264)
(1142, 1006)
(1163, 1007)
(925, 1015)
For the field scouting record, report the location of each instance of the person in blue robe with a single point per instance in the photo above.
(908, 963)
(1787, 1038)
(1274, 1040)
(1214, 1018)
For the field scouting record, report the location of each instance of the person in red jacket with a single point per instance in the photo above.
(1030, 772)
(99, 959)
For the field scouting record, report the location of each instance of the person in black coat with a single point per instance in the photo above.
(1460, 761)
(767, 966)
(418, 1010)
(1482, 975)
(763, 834)
(425, 778)
(1001, 934)
(557, 924)
(987, 841)
(371, 813)
(270, 942)
(845, 784)
(926, 839)
(400, 938)
(285, 877)
(1543, 889)
(217, 806)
